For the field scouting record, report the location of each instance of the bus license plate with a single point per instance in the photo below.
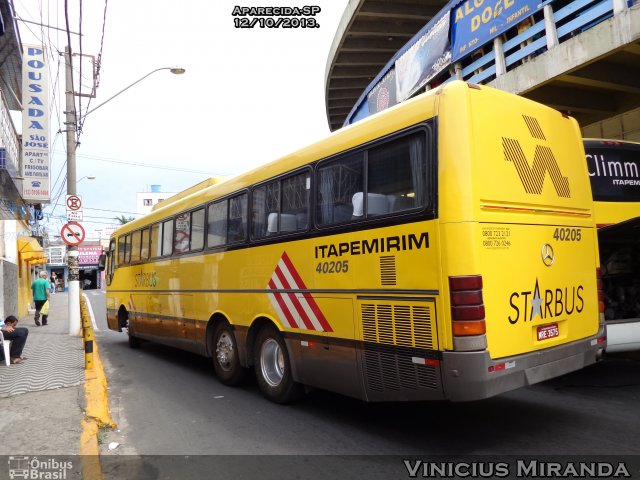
(548, 331)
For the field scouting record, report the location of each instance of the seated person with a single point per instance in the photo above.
(17, 336)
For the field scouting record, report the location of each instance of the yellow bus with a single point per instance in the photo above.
(442, 249)
(614, 170)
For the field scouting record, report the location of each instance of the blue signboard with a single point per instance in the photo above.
(476, 22)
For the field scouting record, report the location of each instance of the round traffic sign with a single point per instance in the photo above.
(74, 202)
(72, 233)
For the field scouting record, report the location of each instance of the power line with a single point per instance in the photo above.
(99, 209)
(146, 165)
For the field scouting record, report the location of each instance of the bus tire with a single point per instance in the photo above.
(134, 342)
(226, 361)
(273, 367)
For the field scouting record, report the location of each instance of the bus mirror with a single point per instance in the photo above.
(102, 262)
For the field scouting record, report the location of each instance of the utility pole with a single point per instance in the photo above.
(73, 280)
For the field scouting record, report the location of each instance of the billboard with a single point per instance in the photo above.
(89, 255)
(476, 22)
(35, 124)
(429, 54)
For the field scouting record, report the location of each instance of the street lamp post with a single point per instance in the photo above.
(71, 122)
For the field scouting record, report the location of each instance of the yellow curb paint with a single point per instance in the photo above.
(89, 437)
(95, 390)
(97, 412)
(90, 458)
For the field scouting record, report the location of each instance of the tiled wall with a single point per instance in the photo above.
(8, 288)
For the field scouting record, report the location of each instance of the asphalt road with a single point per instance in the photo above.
(168, 402)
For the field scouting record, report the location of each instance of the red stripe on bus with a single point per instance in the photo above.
(283, 306)
(312, 303)
(296, 302)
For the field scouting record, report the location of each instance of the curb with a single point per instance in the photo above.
(97, 407)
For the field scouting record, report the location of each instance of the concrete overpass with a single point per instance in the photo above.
(591, 72)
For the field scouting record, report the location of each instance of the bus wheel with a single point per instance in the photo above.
(134, 342)
(225, 359)
(273, 367)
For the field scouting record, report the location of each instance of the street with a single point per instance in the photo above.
(169, 402)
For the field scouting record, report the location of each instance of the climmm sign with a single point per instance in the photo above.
(35, 124)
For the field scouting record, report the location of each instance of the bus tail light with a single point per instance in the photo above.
(467, 313)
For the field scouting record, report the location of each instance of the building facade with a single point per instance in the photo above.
(21, 252)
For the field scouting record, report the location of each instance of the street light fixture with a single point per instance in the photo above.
(174, 70)
(88, 177)
(71, 122)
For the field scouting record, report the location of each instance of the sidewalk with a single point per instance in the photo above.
(43, 399)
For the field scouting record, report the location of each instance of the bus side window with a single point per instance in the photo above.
(338, 181)
(237, 223)
(127, 249)
(295, 202)
(144, 247)
(135, 246)
(197, 229)
(182, 235)
(167, 237)
(396, 172)
(217, 229)
(121, 250)
(156, 240)
(264, 211)
(111, 260)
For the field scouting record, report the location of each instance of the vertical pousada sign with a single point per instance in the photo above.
(35, 124)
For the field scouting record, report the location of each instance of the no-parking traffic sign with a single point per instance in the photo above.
(72, 234)
(74, 207)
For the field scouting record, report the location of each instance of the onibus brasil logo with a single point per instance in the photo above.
(38, 468)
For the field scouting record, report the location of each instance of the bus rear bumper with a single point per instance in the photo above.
(474, 375)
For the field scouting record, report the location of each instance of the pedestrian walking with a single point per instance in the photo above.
(41, 294)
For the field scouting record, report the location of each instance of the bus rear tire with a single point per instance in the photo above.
(226, 362)
(134, 342)
(273, 367)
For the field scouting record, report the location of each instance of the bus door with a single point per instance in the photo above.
(620, 264)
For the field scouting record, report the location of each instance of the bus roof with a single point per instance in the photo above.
(193, 189)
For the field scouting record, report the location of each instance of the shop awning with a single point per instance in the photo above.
(30, 250)
(38, 261)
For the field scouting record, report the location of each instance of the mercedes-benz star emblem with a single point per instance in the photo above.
(547, 254)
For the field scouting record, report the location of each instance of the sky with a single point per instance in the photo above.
(248, 96)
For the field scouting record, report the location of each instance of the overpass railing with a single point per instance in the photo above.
(542, 35)
(556, 22)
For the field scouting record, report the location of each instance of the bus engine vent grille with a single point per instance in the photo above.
(394, 333)
(388, 368)
(388, 270)
(406, 325)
